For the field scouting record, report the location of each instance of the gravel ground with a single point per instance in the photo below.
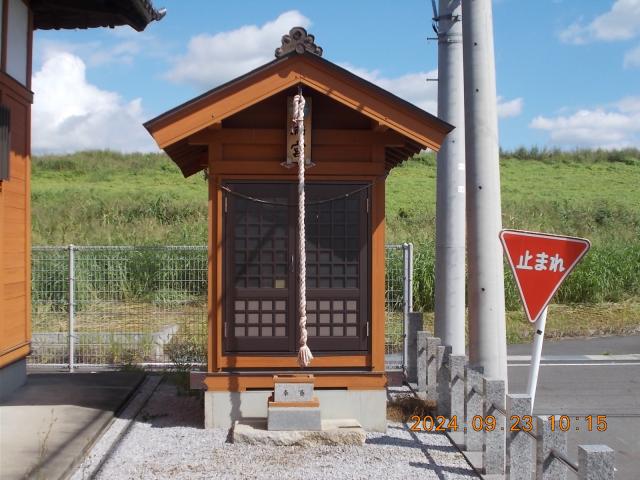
(167, 441)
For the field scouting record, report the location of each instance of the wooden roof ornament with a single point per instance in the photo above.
(181, 132)
(299, 41)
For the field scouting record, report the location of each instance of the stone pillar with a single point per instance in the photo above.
(595, 462)
(421, 361)
(547, 466)
(432, 368)
(456, 382)
(519, 461)
(443, 377)
(473, 439)
(493, 452)
(415, 325)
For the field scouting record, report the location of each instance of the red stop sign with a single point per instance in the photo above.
(540, 262)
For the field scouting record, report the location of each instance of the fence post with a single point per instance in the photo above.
(547, 466)
(72, 283)
(519, 462)
(433, 365)
(415, 324)
(473, 386)
(443, 387)
(405, 306)
(421, 360)
(493, 452)
(410, 289)
(595, 462)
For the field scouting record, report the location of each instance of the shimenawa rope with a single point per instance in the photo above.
(304, 353)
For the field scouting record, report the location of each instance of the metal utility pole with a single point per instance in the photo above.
(487, 335)
(450, 188)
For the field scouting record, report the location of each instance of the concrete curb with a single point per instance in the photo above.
(68, 472)
(95, 457)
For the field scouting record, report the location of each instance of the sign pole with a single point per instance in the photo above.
(536, 353)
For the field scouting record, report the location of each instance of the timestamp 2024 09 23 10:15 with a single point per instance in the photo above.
(517, 423)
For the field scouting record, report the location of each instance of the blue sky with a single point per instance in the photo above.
(568, 71)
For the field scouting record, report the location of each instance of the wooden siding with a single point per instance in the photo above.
(254, 381)
(15, 232)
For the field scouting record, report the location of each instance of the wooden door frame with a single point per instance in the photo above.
(218, 361)
(363, 339)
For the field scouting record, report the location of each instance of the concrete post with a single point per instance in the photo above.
(443, 377)
(595, 462)
(547, 466)
(487, 335)
(519, 461)
(406, 307)
(433, 365)
(415, 325)
(493, 452)
(450, 183)
(71, 307)
(456, 386)
(474, 439)
(421, 360)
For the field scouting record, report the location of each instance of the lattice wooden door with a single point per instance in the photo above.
(260, 274)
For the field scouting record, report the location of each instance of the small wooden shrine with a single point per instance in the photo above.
(239, 133)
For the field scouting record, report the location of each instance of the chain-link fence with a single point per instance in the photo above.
(104, 306)
(118, 305)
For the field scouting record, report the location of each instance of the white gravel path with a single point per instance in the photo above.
(168, 442)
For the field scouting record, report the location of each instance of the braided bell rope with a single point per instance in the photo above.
(304, 353)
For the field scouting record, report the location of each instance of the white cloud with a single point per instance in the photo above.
(214, 59)
(632, 58)
(510, 108)
(71, 114)
(122, 47)
(613, 126)
(629, 105)
(412, 87)
(621, 22)
(415, 88)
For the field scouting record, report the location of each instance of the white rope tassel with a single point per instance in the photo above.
(304, 353)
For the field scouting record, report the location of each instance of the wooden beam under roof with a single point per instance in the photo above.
(274, 136)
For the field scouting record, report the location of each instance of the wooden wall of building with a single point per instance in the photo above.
(15, 228)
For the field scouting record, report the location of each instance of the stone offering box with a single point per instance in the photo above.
(293, 405)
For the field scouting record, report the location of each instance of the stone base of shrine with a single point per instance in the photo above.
(367, 407)
(333, 432)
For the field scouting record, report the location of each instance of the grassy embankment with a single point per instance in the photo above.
(102, 198)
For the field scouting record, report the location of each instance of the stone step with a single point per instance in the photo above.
(294, 418)
(334, 432)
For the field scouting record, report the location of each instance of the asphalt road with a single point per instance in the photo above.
(577, 387)
(584, 346)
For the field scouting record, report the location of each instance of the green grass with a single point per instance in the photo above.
(579, 194)
(105, 198)
(594, 200)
